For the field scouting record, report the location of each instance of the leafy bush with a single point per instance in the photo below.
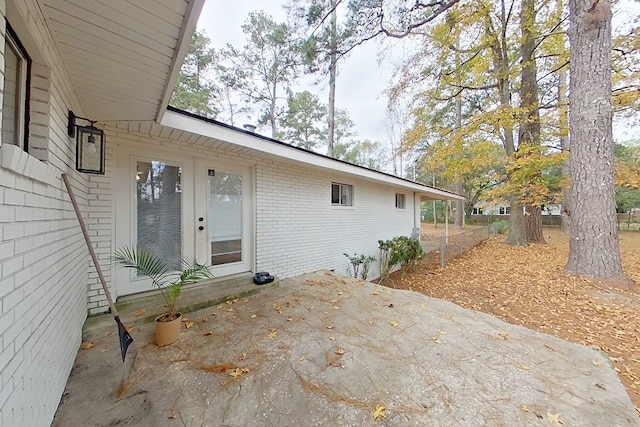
(399, 251)
(359, 261)
(501, 226)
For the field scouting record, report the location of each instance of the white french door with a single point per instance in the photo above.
(223, 208)
(182, 207)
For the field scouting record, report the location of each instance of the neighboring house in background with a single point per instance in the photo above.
(184, 185)
(485, 208)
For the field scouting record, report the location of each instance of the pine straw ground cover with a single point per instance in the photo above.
(527, 286)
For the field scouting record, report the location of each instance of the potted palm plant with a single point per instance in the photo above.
(169, 281)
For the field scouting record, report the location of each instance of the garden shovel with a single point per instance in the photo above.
(125, 337)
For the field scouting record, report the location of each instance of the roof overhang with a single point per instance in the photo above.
(123, 56)
(216, 133)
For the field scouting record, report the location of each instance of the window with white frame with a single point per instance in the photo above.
(15, 101)
(504, 210)
(400, 201)
(477, 211)
(341, 194)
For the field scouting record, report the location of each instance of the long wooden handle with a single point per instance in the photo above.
(65, 178)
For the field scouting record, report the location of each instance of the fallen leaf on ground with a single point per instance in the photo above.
(87, 345)
(188, 325)
(554, 419)
(140, 313)
(237, 372)
(272, 334)
(206, 334)
(340, 351)
(394, 324)
(380, 413)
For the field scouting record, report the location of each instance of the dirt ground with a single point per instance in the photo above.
(527, 286)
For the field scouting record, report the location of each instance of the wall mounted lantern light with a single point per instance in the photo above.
(89, 145)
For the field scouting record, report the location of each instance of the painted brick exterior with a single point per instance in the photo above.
(43, 258)
(298, 230)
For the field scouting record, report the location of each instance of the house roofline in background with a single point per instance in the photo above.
(432, 192)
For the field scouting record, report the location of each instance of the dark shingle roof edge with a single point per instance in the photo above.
(275, 141)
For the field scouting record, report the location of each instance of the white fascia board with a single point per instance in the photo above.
(255, 142)
(192, 14)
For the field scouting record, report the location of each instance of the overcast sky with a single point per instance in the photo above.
(361, 80)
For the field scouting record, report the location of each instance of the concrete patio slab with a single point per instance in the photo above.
(323, 349)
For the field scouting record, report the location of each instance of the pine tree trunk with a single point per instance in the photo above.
(459, 218)
(594, 249)
(534, 224)
(332, 83)
(565, 213)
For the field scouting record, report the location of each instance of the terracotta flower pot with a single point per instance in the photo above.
(167, 331)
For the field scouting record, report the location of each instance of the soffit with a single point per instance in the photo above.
(121, 55)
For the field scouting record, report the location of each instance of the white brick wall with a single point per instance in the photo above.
(298, 230)
(43, 258)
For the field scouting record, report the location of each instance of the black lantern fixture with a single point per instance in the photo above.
(89, 145)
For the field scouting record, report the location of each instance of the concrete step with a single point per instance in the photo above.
(194, 297)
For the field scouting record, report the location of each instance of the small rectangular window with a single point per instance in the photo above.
(341, 194)
(15, 105)
(400, 201)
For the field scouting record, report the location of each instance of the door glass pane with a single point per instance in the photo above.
(225, 217)
(159, 216)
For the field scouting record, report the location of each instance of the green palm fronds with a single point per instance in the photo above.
(166, 279)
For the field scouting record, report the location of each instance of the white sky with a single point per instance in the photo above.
(361, 79)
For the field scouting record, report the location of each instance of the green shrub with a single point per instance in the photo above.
(356, 262)
(501, 226)
(399, 251)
